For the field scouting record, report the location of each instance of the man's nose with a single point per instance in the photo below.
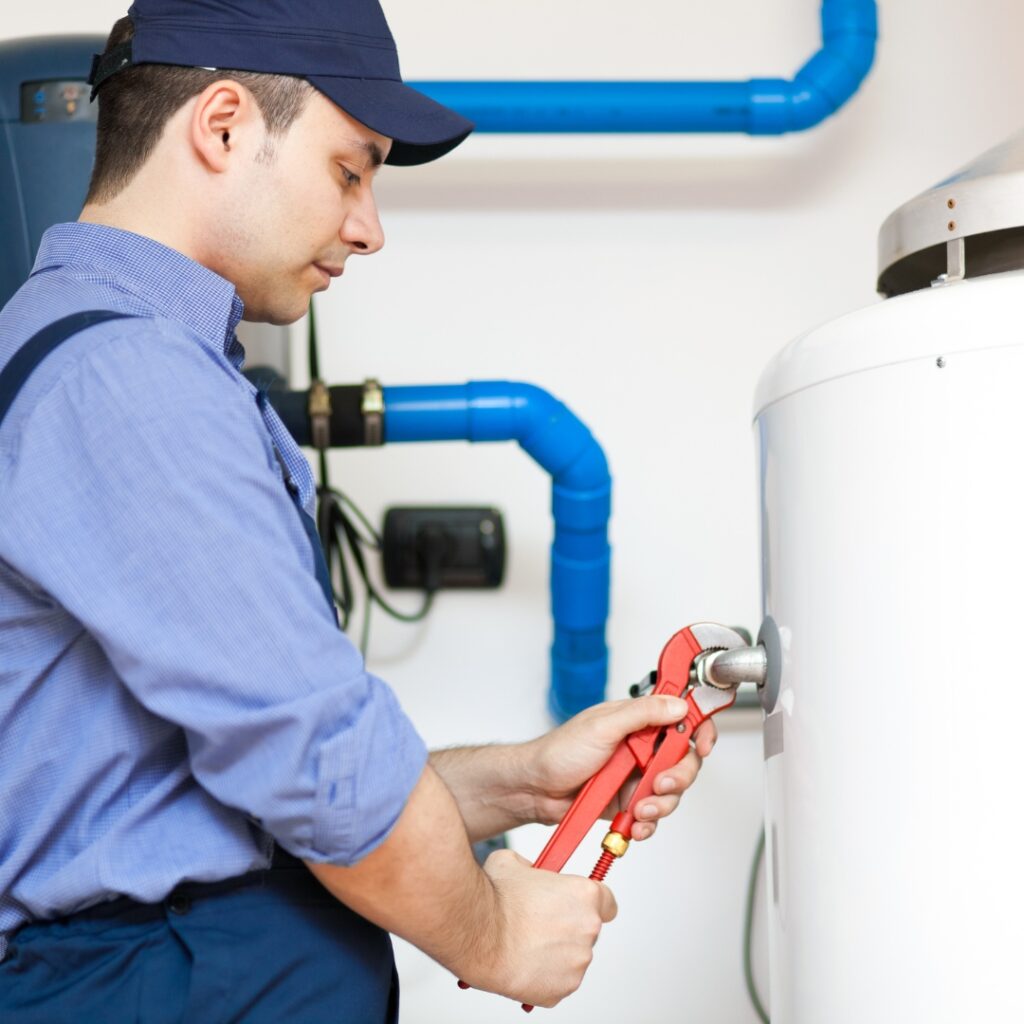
(362, 230)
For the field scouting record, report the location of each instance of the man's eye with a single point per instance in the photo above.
(349, 177)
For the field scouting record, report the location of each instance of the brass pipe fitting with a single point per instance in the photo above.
(615, 843)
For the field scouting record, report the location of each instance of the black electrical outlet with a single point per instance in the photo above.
(443, 547)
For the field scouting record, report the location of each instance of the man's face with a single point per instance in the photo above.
(296, 217)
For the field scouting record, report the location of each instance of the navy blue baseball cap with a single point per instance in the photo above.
(344, 48)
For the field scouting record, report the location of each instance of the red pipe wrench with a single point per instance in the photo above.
(651, 750)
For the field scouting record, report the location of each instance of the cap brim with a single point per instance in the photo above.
(421, 128)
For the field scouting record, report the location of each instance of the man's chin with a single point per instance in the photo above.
(278, 315)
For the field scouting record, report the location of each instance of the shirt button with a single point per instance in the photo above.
(179, 903)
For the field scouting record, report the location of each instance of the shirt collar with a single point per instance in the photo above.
(173, 284)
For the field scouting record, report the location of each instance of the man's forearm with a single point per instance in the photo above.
(493, 786)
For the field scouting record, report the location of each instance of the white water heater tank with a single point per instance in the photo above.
(892, 511)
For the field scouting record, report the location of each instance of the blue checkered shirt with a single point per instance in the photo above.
(174, 692)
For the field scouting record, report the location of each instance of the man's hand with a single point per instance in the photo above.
(509, 929)
(561, 761)
(502, 786)
(550, 923)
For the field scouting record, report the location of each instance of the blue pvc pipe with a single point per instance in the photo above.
(761, 106)
(580, 498)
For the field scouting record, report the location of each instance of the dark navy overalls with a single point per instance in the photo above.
(267, 948)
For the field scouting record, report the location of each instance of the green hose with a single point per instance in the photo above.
(748, 928)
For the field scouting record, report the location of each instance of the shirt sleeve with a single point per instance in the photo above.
(142, 493)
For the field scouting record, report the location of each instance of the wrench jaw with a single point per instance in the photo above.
(711, 699)
(714, 640)
(713, 636)
(675, 666)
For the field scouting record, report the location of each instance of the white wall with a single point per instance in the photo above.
(645, 281)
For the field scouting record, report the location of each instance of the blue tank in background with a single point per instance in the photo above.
(47, 146)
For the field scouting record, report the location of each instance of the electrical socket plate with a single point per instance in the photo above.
(472, 546)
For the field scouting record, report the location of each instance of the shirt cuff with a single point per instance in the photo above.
(364, 777)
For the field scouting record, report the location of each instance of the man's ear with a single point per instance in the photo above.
(224, 119)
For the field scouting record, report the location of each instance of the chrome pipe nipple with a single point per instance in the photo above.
(725, 670)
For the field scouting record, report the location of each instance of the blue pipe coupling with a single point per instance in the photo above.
(560, 443)
(761, 106)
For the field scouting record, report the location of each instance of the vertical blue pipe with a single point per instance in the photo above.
(761, 106)
(580, 502)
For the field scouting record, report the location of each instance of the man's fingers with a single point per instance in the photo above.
(669, 786)
(621, 718)
(627, 716)
(643, 830)
(655, 807)
(705, 737)
(680, 776)
(606, 905)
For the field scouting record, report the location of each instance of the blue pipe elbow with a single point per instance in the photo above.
(765, 106)
(580, 500)
(827, 80)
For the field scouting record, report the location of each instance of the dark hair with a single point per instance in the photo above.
(136, 104)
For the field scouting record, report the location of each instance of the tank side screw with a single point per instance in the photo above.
(940, 362)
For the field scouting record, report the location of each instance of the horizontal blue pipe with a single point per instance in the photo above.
(580, 499)
(761, 106)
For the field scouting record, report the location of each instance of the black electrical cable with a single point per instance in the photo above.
(337, 502)
(346, 533)
(748, 931)
(314, 375)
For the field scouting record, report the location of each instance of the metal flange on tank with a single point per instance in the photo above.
(968, 225)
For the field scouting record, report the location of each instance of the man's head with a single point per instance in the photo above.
(136, 105)
(263, 174)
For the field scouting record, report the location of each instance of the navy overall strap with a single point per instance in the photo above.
(40, 345)
(320, 570)
(323, 576)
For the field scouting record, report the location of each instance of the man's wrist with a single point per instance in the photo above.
(481, 954)
(494, 786)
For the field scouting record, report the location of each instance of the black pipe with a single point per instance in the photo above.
(347, 425)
